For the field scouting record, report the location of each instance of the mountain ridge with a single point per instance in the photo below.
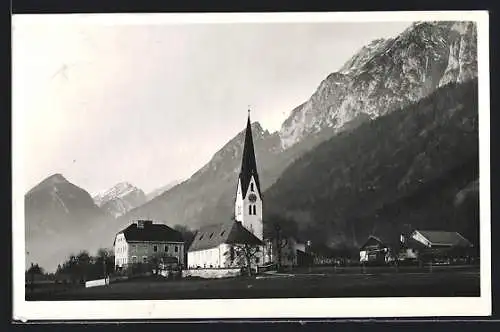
(386, 75)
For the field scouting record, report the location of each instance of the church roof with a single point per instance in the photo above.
(231, 232)
(248, 163)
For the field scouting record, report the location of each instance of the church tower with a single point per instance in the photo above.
(248, 205)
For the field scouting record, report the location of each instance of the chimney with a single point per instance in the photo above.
(141, 224)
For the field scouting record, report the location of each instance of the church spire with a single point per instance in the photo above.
(248, 163)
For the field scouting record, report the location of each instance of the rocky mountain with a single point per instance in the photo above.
(386, 75)
(157, 192)
(417, 166)
(120, 199)
(60, 218)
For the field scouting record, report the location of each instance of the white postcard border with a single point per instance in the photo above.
(261, 308)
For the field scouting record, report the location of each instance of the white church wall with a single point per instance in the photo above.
(209, 258)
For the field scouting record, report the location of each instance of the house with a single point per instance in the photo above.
(435, 244)
(376, 251)
(214, 246)
(143, 240)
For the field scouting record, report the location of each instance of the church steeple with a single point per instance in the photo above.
(248, 203)
(248, 163)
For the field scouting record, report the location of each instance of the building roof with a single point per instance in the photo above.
(373, 238)
(151, 232)
(248, 163)
(231, 232)
(444, 238)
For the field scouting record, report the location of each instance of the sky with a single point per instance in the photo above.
(151, 103)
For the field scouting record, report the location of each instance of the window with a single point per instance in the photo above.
(176, 249)
(249, 209)
(166, 248)
(134, 259)
(251, 186)
(257, 260)
(134, 248)
(254, 210)
(155, 248)
(144, 259)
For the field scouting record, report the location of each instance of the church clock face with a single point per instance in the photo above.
(252, 198)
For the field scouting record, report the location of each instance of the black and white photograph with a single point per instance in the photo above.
(172, 166)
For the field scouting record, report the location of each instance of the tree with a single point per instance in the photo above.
(104, 261)
(83, 263)
(242, 255)
(35, 269)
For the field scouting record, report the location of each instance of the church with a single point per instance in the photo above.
(214, 246)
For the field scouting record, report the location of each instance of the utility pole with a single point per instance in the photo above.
(32, 277)
(278, 246)
(104, 264)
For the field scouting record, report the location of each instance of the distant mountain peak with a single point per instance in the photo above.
(50, 181)
(386, 75)
(121, 198)
(55, 178)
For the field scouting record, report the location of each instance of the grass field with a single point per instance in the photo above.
(316, 282)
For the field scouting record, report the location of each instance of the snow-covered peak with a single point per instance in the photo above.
(120, 190)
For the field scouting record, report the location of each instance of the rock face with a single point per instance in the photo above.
(60, 218)
(417, 167)
(120, 199)
(387, 75)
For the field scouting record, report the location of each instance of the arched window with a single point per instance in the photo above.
(254, 210)
(250, 209)
(251, 186)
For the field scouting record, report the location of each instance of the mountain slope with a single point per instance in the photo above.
(192, 202)
(417, 166)
(387, 75)
(120, 199)
(157, 192)
(60, 218)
